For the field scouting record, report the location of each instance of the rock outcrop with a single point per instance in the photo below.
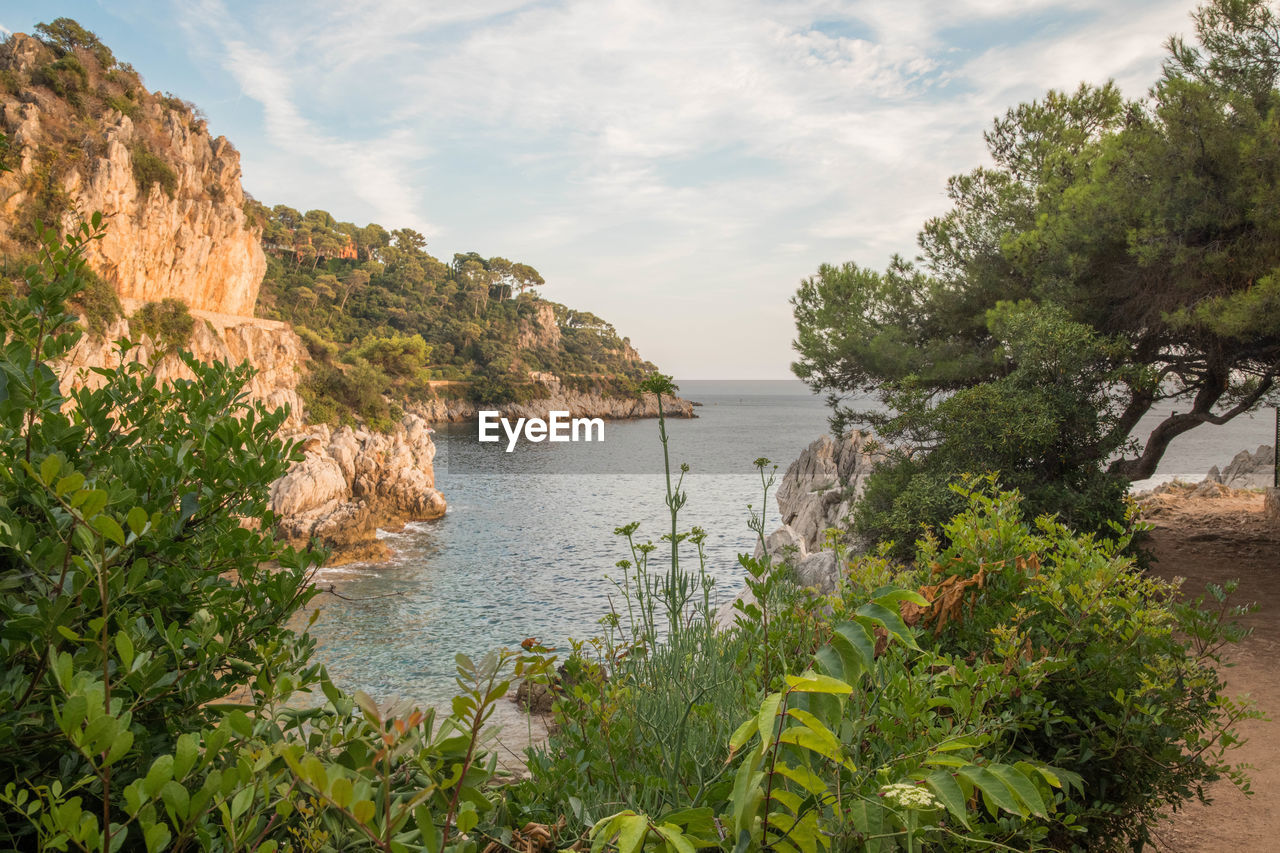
(1247, 470)
(270, 346)
(182, 236)
(818, 492)
(541, 330)
(579, 404)
(353, 482)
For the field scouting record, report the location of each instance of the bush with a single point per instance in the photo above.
(152, 696)
(149, 170)
(98, 304)
(1036, 693)
(1121, 698)
(397, 355)
(168, 323)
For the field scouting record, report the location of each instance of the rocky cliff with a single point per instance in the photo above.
(818, 492)
(1246, 470)
(353, 482)
(86, 138)
(271, 347)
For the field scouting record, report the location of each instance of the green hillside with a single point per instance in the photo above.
(386, 321)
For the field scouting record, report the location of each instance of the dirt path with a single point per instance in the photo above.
(1213, 539)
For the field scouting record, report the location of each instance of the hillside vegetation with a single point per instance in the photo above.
(384, 319)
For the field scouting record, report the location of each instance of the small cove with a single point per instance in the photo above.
(524, 551)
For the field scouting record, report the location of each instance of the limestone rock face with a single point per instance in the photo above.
(190, 241)
(542, 331)
(353, 482)
(1247, 470)
(271, 346)
(195, 246)
(819, 490)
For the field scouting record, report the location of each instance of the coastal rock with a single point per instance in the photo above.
(1247, 470)
(188, 239)
(541, 330)
(818, 492)
(578, 404)
(272, 347)
(353, 482)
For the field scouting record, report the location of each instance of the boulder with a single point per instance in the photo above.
(818, 492)
(353, 482)
(1247, 470)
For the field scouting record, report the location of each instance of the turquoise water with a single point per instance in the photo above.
(524, 551)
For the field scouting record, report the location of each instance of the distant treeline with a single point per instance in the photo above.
(383, 318)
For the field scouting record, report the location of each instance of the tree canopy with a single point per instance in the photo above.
(1146, 233)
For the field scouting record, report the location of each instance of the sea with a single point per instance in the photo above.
(528, 545)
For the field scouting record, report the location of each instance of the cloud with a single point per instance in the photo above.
(652, 154)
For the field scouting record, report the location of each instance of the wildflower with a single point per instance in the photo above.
(908, 796)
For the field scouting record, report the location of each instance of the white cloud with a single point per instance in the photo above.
(653, 154)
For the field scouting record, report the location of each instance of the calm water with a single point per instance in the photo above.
(524, 550)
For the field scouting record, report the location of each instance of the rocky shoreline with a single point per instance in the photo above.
(354, 482)
(578, 404)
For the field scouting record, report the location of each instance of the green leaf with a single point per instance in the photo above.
(69, 483)
(995, 791)
(632, 830)
(49, 469)
(947, 790)
(341, 792)
(861, 641)
(889, 596)
(363, 811)
(240, 802)
(825, 745)
(161, 771)
(156, 836)
(124, 647)
(1022, 787)
(176, 799)
(890, 620)
(743, 733)
(468, 817)
(675, 838)
(137, 520)
(184, 755)
(240, 723)
(802, 776)
(768, 715)
(814, 683)
(109, 528)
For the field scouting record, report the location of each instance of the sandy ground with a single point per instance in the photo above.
(1212, 539)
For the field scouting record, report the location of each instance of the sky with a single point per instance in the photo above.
(674, 167)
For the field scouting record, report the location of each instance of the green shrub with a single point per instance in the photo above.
(168, 323)
(98, 304)
(397, 355)
(65, 77)
(1123, 699)
(125, 106)
(149, 170)
(152, 696)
